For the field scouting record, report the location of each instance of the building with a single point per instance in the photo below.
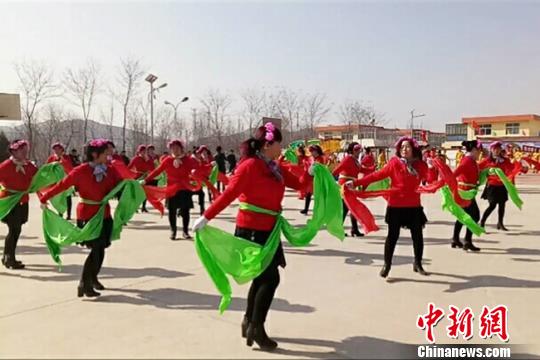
(517, 129)
(376, 136)
(455, 134)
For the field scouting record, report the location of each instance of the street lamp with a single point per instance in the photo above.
(176, 106)
(176, 109)
(151, 78)
(413, 116)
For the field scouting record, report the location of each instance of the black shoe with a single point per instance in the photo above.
(385, 271)
(68, 218)
(86, 291)
(482, 223)
(501, 227)
(304, 212)
(245, 325)
(356, 233)
(97, 285)
(187, 236)
(417, 267)
(470, 246)
(144, 210)
(457, 244)
(173, 235)
(11, 263)
(258, 334)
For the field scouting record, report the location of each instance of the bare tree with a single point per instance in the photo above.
(254, 107)
(36, 78)
(131, 73)
(215, 109)
(357, 113)
(52, 128)
(107, 117)
(315, 108)
(82, 85)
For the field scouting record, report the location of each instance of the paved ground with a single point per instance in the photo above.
(331, 301)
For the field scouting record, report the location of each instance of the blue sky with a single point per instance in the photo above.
(446, 59)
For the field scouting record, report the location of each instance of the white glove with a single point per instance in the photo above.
(44, 206)
(142, 182)
(311, 170)
(200, 223)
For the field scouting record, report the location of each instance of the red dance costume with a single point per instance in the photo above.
(348, 169)
(141, 165)
(467, 175)
(489, 162)
(65, 160)
(11, 179)
(254, 183)
(401, 179)
(308, 179)
(179, 176)
(368, 164)
(84, 181)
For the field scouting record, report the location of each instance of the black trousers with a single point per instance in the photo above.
(152, 183)
(354, 223)
(491, 207)
(180, 202)
(14, 221)
(393, 236)
(94, 260)
(474, 212)
(69, 206)
(263, 288)
(200, 195)
(308, 201)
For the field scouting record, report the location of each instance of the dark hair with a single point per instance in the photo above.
(317, 148)
(95, 149)
(368, 150)
(416, 151)
(218, 149)
(255, 143)
(301, 149)
(73, 150)
(109, 142)
(350, 147)
(469, 145)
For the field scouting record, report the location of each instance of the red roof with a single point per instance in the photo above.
(500, 118)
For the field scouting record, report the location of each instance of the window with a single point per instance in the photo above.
(347, 136)
(484, 129)
(512, 129)
(327, 135)
(456, 129)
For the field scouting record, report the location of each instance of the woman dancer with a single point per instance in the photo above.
(406, 171)
(16, 174)
(93, 180)
(467, 174)
(178, 167)
(348, 170)
(143, 164)
(203, 156)
(495, 192)
(60, 156)
(258, 180)
(317, 155)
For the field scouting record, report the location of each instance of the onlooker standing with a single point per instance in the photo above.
(220, 160)
(231, 158)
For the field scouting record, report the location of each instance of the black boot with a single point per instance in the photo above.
(86, 291)
(10, 263)
(173, 235)
(385, 270)
(97, 285)
(470, 246)
(501, 227)
(256, 332)
(356, 233)
(186, 235)
(457, 244)
(417, 267)
(303, 212)
(245, 325)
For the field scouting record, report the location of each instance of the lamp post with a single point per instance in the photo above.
(413, 116)
(175, 107)
(151, 79)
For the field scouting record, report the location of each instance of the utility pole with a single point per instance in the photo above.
(413, 116)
